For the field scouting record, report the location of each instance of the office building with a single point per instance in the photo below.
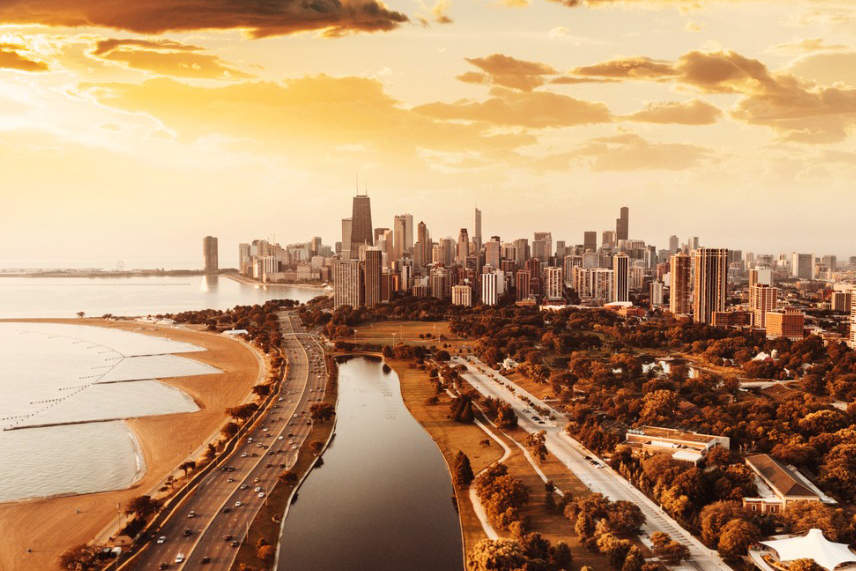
(347, 283)
(361, 224)
(622, 225)
(621, 275)
(542, 246)
(590, 241)
(493, 252)
(673, 244)
(399, 231)
(372, 277)
(842, 301)
(210, 255)
(680, 271)
(607, 239)
(523, 284)
(463, 246)
(802, 266)
(408, 232)
(478, 230)
(710, 283)
(789, 323)
(347, 227)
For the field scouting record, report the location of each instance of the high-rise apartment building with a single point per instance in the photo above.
(210, 255)
(372, 277)
(490, 288)
(523, 284)
(571, 262)
(601, 282)
(590, 241)
(621, 275)
(655, 293)
(853, 322)
(554, 283)
(462, 295)
(521, 251)
(347, 283)
(622, 225)
(710, 283)
(762, 300)
(842, 300)
(361, 225)
(680, 272)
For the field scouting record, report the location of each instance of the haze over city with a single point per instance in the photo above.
(126, 135)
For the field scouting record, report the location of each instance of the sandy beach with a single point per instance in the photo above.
(50, 526)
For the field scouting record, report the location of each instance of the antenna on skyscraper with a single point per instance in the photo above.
(357, 178)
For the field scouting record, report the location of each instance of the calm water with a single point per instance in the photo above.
(382, 499)
(64, 297)
(61, 375)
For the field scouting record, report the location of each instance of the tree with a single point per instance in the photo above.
(736, 537)
(229, 430)
(316, 447)
(804, 565)
(537, 445)
(803, 516)
(266, 553)
(322, 411)
(288, 477)
(79, 558)
(261, 390)
(714, 517)
(496, 555)
(142, 507)
(187, 467)
(242, 412)
(462, 472)
(506, 418)
(625, 518)
(669, 550)
(80, 314)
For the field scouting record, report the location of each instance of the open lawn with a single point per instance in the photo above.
(385, 332)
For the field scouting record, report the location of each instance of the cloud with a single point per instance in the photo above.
(261, 18)
(629, 68)
(313, 119)
(797, 109)
(629, 152)
(694, 112)
(499, 69)
(166, 57)
(10, 58)
(805, 45)
(826, 68)
(537, 110)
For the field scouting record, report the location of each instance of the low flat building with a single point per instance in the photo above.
(775, 554)
(682, 446)
(779, 486)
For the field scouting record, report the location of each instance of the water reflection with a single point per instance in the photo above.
(209, 283)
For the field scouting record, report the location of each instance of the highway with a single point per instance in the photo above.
(206, 530)
(583, 463)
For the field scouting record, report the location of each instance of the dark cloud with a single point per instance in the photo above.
(628, 68)
(261, 18)
(11, 58)
(506, 71)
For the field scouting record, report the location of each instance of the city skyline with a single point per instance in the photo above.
(544, 115)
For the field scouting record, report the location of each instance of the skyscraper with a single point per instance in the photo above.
(408, 232)
(399, 236)
(463, 246)
(607, 239)
(210, 255)
(710, 284)
(361, 225)
(680, 270)
(622, 224)
(478, 234)
(424, 241)
(542, 246)
(490, 288)
(674, 244)
(492, 253)
(347, 225)
(621, 275)
(372, 276)
(554, 286)
(802, 266)
(590, 241)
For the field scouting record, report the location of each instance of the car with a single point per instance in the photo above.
(308, 422)
(191, 515)
(164, 565)
(187, 532)
(228, 538)
(268, 465)
(161, 539)
(588, 457)
(281, 437)
(236, 543)
(258, 489)
(230, 480)
(261, 494)
(242, 487)
(226, 510)
(179, 558)
(255, 480)
(244, 455)
(294, 447)
(205, 560)
(238, 504)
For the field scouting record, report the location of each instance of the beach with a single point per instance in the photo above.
(48, 527)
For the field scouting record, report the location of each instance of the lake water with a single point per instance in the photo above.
(383, 498)
(57, 380)
(64, 297)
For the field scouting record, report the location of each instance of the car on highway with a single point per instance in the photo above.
(238, 504)
(205, 560)
(163, 565)
(161, 539)
(187, 532)
(242, 487)
(230, 480)
(280, 437)
(258, 489)
(191, 515)
(236, 543)
(261, 494)
(244, 455)
(179, 558)
(228, 538)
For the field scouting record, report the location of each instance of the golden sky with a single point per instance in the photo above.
(129, 130)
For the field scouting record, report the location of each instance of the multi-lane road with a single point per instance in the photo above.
(592, 472)
(206, 530)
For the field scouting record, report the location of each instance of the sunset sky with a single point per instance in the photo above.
(129, 130)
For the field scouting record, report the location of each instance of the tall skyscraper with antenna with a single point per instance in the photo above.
(361, 223)
(477, 237)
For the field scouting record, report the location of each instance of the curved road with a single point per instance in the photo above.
(266, 451)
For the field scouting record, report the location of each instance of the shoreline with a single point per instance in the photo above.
(51, 525)
(249, 281)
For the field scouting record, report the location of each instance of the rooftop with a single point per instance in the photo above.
(782, 478)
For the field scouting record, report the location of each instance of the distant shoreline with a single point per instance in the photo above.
(108, 274)
(248, 281)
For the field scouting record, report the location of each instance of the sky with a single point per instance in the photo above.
(130, 130)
